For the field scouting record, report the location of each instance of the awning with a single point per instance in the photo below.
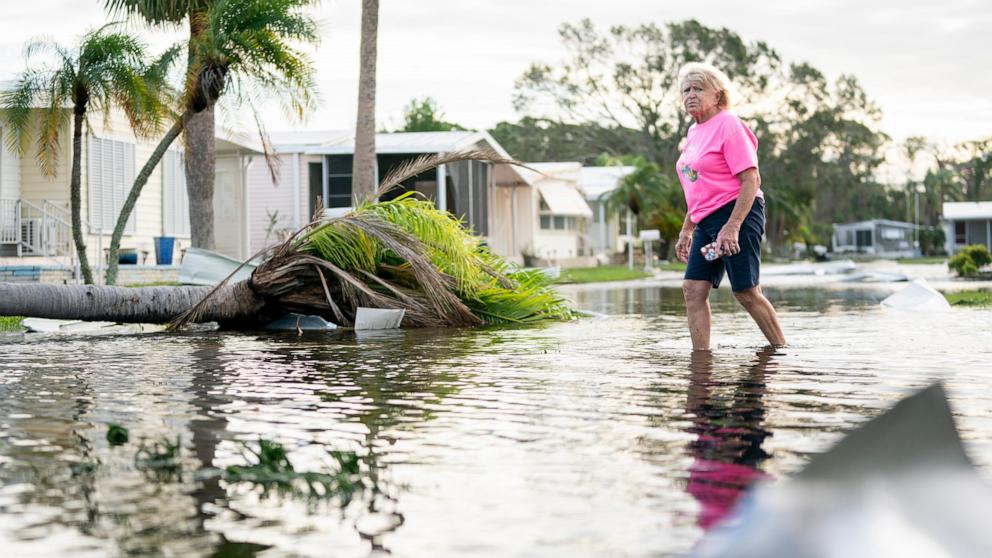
(563, 198)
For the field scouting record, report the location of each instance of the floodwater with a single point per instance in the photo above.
(599, 437)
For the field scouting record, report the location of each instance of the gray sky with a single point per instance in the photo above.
(927, 64)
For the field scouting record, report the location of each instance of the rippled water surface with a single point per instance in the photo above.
(600, 437)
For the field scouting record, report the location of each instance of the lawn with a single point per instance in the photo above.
(10, 323)
(970, 298)
(600, 274)
(929, 260)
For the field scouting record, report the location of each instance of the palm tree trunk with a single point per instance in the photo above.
(75, 195)
(363, 185)
(201, 166)
(235, 304)
(132, 196)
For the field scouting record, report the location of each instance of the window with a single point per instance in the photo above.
(110, 176)
(546, 222)
(339, 169)
(864, 238)
(468, 194)
(175, 199)
(960, 232)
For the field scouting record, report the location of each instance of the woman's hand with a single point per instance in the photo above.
(727, 241)
(682, 247)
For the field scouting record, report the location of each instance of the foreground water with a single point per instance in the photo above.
(600, 437)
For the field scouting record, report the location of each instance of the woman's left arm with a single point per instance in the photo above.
(727, 241)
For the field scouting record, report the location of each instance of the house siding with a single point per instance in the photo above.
(267, 197)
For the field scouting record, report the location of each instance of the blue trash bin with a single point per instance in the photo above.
(164, 246)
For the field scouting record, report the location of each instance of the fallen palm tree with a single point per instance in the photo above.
(403, 254)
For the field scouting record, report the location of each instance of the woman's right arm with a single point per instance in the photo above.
(685, 240)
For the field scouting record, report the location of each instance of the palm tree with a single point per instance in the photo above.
(402, 253)
(363, 180)
(199, 129)
(242, 48)
(107, 69)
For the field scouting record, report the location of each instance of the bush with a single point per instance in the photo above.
(970, 259)
(932, 241)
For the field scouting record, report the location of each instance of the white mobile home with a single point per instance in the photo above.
(35, 224)
(607, 229)
(561, 234)
(492, 200)
(967, 223)
(879, 237)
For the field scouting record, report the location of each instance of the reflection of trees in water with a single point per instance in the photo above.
(67, 398)
(728, 417)
(386, 381)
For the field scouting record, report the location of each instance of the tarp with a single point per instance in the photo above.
(563, 198)
(918, 296)
(203, 267)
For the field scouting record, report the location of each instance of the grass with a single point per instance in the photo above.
(672, 266)
(600, 274)
(923, 261)
(10, 323)
(970, 298)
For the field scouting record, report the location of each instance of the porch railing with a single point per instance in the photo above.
(36, 230)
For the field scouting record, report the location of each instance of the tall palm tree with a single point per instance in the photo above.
(363, 174)
(107, 69)
(242, 48)
(200, 128)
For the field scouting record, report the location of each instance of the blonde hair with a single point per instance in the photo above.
(712, 77)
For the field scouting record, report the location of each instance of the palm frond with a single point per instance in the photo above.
(424, 163)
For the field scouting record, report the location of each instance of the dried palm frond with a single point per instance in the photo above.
(424, 163)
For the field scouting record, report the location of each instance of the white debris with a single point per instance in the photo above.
(918, 296)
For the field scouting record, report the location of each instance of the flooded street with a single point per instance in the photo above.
(598, 437)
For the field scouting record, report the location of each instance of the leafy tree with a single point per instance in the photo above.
(108, 69)
(975, 168)
(424, 115)
(242, 49)
(199, 128)
(650, 194)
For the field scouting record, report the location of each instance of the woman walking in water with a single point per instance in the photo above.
(725, 221)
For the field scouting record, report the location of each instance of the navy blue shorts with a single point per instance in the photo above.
(744, 266)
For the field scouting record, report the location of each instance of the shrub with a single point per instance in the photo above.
(970, 259)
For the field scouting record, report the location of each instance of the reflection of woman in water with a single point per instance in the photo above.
(728, 450)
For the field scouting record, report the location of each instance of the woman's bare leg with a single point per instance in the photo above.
(763, 314)
(697, 305)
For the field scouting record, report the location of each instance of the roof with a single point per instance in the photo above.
(563, 198)
(536, 172)
(873, 222)
(968, 210)
(597, 181)
(342, 142)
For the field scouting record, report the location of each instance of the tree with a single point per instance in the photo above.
(975, 167)
(108, 69)
(424, 115)
(402, 253)
(200, 135)
(650, 194)
(364, 172)
(242, 48)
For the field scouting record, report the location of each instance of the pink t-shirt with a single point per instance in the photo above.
(715, 152)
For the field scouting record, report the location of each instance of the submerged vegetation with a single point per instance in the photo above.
(267, 467)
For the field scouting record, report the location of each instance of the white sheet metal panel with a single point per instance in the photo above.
(968, 210)
(563, 198)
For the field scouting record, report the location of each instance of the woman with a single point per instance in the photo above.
(718, 170)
